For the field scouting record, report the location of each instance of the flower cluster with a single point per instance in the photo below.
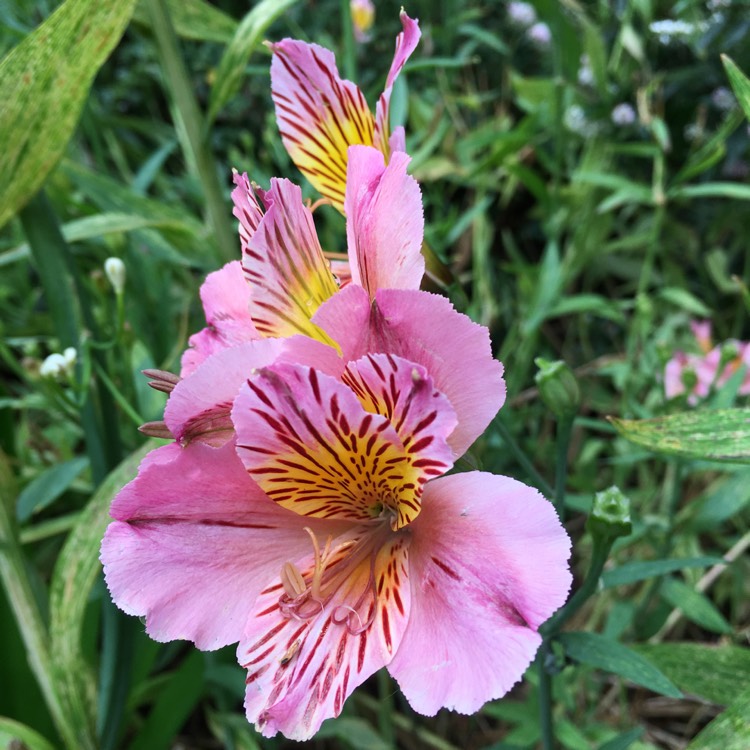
(696, 375)
(303, 509)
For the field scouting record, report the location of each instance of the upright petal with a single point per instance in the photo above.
(199, 406)
(246, 208)
(487, 565)
(406, 43)
(319, 114)
(226, 301)
(309, 443)
(384, 221)
(304, 659)
(426, 329)
(195, 542)
(283, 261)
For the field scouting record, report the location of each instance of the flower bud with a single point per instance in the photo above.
(58, 366)
(116, 273)
(610, 514)
(363, 16)
(557, 387)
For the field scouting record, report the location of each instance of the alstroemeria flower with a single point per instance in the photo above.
(332, 546)
(284, 276)
(320, 115)
(697, 374)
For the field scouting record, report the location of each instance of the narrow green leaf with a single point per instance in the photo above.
(354, 733)
(716, 673)
(44, 83)
(194, 19)
(597, 651)
(730, 730)
(694, 605)
(683, 299)
(74, 575)
(734, 190)
(48, 486)
(30, 739)
(641, 571)
(720, 435)
(728, 499)
(739, 82)
(247, 37)
(623, 741)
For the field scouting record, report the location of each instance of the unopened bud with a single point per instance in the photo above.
(59, 365)
(558, 387)
(689, 378)
(116, 273)
(610, 514)
(729, 353)
(363, 16)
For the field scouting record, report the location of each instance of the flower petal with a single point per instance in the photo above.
(246, 208)
(406, 43)
(199, 406)
(195, 542)
(226, 301)
(487, 564)
(384, 221)
(283, 261)
(309, 443)
(426, 329)
(302, 668)
(319, 114)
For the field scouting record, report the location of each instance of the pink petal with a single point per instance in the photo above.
(426, 329)
(384, 221)
(195, 542)
(199, 406)
(302, 668)
(226, 302)
(319, 114)
(283, 262)
(246, 208)
(487, 565)
(406, 43)
(702, 331)
(308, 442)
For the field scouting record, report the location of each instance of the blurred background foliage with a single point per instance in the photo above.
(584, 169)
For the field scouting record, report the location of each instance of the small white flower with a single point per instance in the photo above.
(585, 72)
(540, 33)
(722, 98)
(693, 132)
(520, 13)
(668, 29)
(623, 114)
(114, 268)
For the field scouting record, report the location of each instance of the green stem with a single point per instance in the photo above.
(387, 709)
(546, 726)
(564, 430)
(194, 145)
(349, 60)
(534, 476)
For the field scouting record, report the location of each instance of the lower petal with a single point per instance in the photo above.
(488, 564)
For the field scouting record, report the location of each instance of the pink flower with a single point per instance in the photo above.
(302, 511)
(320, 115)
(697, 374)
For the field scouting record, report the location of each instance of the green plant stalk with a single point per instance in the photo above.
(196, 147)
(52, 260)
(546, 725)
(562, 444)
(35, 636)
(534, 476)
(349, 59)
(387, 708)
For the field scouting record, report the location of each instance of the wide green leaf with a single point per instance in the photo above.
(603, 653)
(720, 435)
(44, 83)
(634, 572)
(48, 486)
(730, 730)
(740, 84)
(247, 37)
(716, 673)
(694, 605)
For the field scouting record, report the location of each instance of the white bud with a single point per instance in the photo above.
(116, 273)
(540, 34)
(53, 367)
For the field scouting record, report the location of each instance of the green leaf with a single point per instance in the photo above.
(597, 651)
(48, 486)
(730, 730)
(716, 673)
(73, 577)
(11, 731)
(44, 83)
(641, 571)
(739, 82)
(247, 37)
(728, 499)
(720, 435)
(194, 19)
(683, 299)
(694, 605)
(354, 733)
(623, 741)
(734, 190)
